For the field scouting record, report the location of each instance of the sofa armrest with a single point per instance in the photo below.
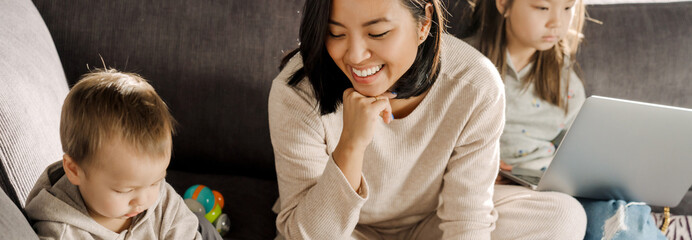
(13, 224)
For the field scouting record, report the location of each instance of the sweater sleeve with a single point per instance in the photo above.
(316, 200)
(576, 96)
(468, 183)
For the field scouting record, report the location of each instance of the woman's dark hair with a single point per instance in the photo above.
(329, 82)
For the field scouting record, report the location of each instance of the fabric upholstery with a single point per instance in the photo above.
(641, 52)
(13, 224)
(211, 61)
(247, 201)
(32, 92)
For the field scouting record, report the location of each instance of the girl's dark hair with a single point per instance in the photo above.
(488, 24)
(329, 82)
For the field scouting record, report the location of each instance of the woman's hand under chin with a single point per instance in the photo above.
(361, 114)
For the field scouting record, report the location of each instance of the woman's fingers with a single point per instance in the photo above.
(386, 114)
(389, 95)
(379, 104)
(384, 109)
(347, 93)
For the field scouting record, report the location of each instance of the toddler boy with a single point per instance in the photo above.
(116, 134)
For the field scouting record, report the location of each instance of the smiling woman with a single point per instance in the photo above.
(326, 40)
(385, 127)
(375, 54)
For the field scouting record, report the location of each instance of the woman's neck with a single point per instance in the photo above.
(403, 107)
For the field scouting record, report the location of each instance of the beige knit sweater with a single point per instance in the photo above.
(442, 157)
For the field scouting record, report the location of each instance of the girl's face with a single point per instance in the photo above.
(373, 42)
(537, 24)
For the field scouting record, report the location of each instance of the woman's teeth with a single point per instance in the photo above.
(367, 72)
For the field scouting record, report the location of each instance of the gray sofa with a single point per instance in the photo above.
(213, 62)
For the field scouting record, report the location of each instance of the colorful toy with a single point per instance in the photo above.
(201, 199)
(195, 206)
(223, 224)
(202, 194)
(218, 197)
(214, 213)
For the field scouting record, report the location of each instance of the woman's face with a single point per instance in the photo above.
(373, 42)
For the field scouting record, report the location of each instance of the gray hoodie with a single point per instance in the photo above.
(58, 212)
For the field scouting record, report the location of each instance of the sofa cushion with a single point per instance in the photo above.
(211, 61)
(248, 201)
(13, 225)
(641, 52)
(31, 96)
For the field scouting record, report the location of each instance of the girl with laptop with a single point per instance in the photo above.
(533, 44)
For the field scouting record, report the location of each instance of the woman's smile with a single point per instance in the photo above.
(366, 75)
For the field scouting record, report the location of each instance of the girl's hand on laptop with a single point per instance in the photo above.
(504, 166)
(500, 179)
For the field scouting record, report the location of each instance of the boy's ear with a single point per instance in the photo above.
(73, 172)
(500, 4)
(426, 25)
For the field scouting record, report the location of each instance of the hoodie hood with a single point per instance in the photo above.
(54, 199)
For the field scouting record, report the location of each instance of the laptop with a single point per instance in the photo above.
(624, 150)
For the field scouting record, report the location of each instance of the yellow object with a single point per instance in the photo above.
(666, 219)
(214, 213)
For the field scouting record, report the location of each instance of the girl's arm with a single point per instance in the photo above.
(467, 204)
(317, 201)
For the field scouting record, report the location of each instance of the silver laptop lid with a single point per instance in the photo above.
(619, 149)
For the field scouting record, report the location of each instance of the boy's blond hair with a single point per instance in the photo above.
(108, 104)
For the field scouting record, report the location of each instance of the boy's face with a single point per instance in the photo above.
(120, 183)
